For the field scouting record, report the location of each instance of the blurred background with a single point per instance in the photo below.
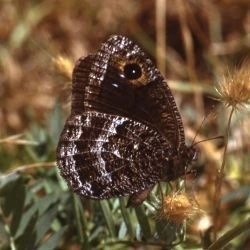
(193, 42)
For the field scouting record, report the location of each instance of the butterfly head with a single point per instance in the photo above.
(181, 162)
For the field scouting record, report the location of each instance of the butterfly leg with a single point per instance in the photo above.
(137, 198)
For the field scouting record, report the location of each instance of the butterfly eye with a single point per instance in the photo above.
(132, 71)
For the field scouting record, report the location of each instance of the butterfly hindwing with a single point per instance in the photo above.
(104, 155)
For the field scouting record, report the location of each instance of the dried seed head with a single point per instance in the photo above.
(178, 207)
(64, 66)
(234, 89)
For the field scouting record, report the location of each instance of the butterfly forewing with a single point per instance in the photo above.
(108, 91)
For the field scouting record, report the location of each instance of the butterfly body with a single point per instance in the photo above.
(124, 133)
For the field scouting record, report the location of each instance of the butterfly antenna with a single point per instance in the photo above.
(209, 139)
(198, 131)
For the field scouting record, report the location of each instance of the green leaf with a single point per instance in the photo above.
(6, 181)
(8, 188)
(4, 237)
(127, 218)
(166, 230)
(122, 231)
(44, 223)
(80, 222)
(40, 206)
(53, 240)
(27, 240)
(26, 218)
(18, 205)
(47, 201)
(55, 123)
(144, 222)
(13, 194)
(108, 215)
(40, 152)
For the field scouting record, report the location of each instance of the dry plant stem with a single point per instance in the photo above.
(230, 235)
(189, 51)
(160, 14)
(220, 175)
(15, 139)
(32, 167)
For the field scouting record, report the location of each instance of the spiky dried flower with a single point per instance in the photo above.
(64, 66)
(178, 207)
(234, 89)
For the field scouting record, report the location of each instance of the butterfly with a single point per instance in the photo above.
(124, 133)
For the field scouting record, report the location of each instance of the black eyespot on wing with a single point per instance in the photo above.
(132, 71)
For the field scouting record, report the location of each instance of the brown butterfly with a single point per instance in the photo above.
(124, 133)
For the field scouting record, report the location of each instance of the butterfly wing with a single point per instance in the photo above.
(102, 155)
(99, 84)
(124, 132)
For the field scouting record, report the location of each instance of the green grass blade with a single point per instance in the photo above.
(81, 223)
(144, 222)
(108, 215)
(127, 218)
